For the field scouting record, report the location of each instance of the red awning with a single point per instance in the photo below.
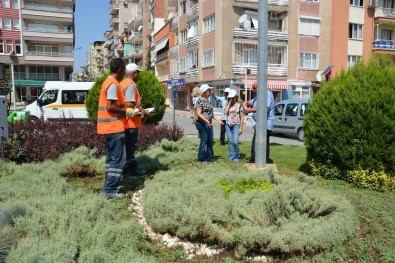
(272, 84)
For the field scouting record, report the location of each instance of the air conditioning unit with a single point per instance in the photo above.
(372, 3)
(272, 15)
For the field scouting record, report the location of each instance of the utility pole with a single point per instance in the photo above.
(261, 116)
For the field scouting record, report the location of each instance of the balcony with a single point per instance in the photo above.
(114, 20)
(173, 52)
(272, 69)
(384, 46)
(273, 35)
(108, 43)
(44, 76)
(54, 14)
(193, 11)
(136, 37)
(58, 57)
(38, 6)
(163, 78)
(114, 8)
(193, 73)
(55, 35)
(175, 75)
(383, 12)
(174, 23)
(269, 2)
(193, 41)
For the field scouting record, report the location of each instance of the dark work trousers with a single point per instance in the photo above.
(222, 135)
(252, 159)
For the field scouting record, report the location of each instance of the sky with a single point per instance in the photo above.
(91, 21)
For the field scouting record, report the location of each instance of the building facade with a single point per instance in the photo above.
(38, 40)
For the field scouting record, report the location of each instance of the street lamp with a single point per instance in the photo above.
(12, 57)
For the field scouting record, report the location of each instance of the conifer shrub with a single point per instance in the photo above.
(350, 125)
(294, 216)
(150, 89)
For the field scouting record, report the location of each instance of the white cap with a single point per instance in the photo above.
(226, 89)
(232, 93)
(130, 68)
(203, 88)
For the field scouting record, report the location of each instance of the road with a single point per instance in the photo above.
(183, 119)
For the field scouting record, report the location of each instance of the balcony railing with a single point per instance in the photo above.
(44, 76)
(163, 77)
(193, 41)
(175, 75)
(272, 69)
(47, 30)
(193, 10)
(192, 73)
(173, 52)
(387, 12)
(270, 2)
(48, 54)
(273, 35)
(114, 8)
(40, 7)
(384, 44)
(162, 56)
(174, 23)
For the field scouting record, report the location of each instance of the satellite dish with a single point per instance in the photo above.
(170, 16)
(243, 18)
(140, 27)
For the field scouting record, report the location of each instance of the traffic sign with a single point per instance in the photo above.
(176, 82)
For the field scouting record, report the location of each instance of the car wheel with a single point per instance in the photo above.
(34, 119)
(301, 134)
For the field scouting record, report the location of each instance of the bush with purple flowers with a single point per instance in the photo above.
(39, 141)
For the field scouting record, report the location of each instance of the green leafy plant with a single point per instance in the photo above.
(244, 185)
(350, 123)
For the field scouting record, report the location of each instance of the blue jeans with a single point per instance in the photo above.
(233, 142)
(206, 135)
(131, 137)
(115, 161)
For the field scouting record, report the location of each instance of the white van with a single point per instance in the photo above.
(61, 100)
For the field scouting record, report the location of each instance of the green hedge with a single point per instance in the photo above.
(350, 125)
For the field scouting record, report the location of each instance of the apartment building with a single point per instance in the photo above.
(37, 40)
(95, 60)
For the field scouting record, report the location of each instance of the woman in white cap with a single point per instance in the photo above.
(234, 125)
(205, 115)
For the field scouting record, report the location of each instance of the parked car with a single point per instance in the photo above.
(289, 115)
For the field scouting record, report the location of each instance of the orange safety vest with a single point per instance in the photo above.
(134, 122)
(110, 122)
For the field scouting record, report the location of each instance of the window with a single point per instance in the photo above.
(6, 3)
(17, 24)
(7, 23)
(8, 46)
(209, 58)
(15, 4)
(386, 34)
(68, 49)
(309, 27)
(183, 7)
(389, 4)
(308, 60)
(352, 60)
(182, 65)
(43, 73)
(18, 47)
(356, 2)
(250, 56)
(183, 36)
(303, 109)
(73, 96)
(46, 50)
(192, 59)
(292, 109)
(278, 110)
(209, 24)
(48, 97)
(1, 46)
(355, 31)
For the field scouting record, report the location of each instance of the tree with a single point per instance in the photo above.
(150, 89)
(148, 60)
(83, 76)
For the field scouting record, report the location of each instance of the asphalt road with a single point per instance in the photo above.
(183, 119)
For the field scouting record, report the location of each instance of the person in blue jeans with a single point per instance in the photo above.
(222, 102)
(205, 115)
(234, 125)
